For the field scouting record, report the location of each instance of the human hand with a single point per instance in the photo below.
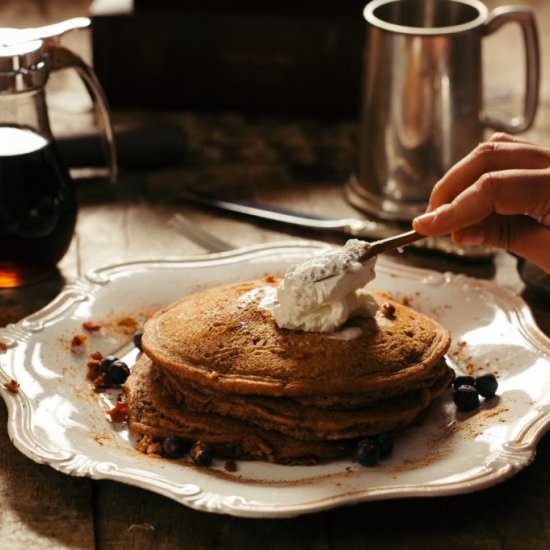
(498, 195)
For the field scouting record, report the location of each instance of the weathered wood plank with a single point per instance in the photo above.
(150, 520)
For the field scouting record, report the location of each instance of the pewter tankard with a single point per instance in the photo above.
(423, 97)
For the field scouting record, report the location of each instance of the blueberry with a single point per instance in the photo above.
(463, 381)
(175, 447)
(117, 372)
(137, 340)
(368, 451)
(202, 454)
(385, 442)
(106, 362)
(486, 385)
(466, 398)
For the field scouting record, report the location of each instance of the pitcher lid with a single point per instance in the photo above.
(24, 56)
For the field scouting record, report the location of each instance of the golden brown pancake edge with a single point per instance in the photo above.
(207, 339)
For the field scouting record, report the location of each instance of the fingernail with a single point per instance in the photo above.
(425, 219)
(471, 237)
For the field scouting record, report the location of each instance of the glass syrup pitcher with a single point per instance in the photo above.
(38, 205)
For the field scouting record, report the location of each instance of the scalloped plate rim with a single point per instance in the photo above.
(18, 404)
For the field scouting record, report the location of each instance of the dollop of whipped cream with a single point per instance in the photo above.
(322, 293)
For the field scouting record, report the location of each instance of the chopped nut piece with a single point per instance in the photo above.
(78, 341)
(94, 369)
(119, 413)
(388, 310)
(154, 449)
(270, 279)
(144, 443)
(100, 382)
(3, 347)
(94, 366)
(90, 326)
(12, 386)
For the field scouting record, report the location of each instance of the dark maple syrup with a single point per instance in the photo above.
(37, 206)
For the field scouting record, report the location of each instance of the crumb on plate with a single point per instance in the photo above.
(78, 341)
(119, 413)
(91, 326)
(12, 386)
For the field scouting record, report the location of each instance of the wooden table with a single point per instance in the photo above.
(298, 163)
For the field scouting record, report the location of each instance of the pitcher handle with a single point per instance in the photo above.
(62, 58)
(526, 20)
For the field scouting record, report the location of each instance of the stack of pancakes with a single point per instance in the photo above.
(216, 368)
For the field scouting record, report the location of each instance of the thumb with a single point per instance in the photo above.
(521, 235)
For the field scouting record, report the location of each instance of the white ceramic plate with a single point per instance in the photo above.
(56, 418)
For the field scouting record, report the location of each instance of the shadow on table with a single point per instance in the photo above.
(540, 308)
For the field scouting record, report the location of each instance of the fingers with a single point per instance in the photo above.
(518, 234)
(498, 195)
(503, 137)
(500, 153)
(509, 192)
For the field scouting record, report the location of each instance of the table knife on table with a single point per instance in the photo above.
(347, 227)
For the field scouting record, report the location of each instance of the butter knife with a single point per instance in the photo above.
(350, 227)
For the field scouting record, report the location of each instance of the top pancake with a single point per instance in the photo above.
(215, 338)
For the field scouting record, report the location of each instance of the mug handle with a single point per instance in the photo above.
(62, 58)
(526, 20)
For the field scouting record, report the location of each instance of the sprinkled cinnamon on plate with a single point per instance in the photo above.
(127, 324)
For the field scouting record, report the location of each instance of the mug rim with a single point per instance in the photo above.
(371, 18)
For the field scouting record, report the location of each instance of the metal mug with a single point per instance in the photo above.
(423, 97)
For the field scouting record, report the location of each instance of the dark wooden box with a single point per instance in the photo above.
(300, 58)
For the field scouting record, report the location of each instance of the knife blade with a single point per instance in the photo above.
(350, 227)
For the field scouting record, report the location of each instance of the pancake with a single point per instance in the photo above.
(154, 412)
(311, 423)
(220, 338)
(217, 368)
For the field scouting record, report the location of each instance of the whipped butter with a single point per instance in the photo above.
(322, 293)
